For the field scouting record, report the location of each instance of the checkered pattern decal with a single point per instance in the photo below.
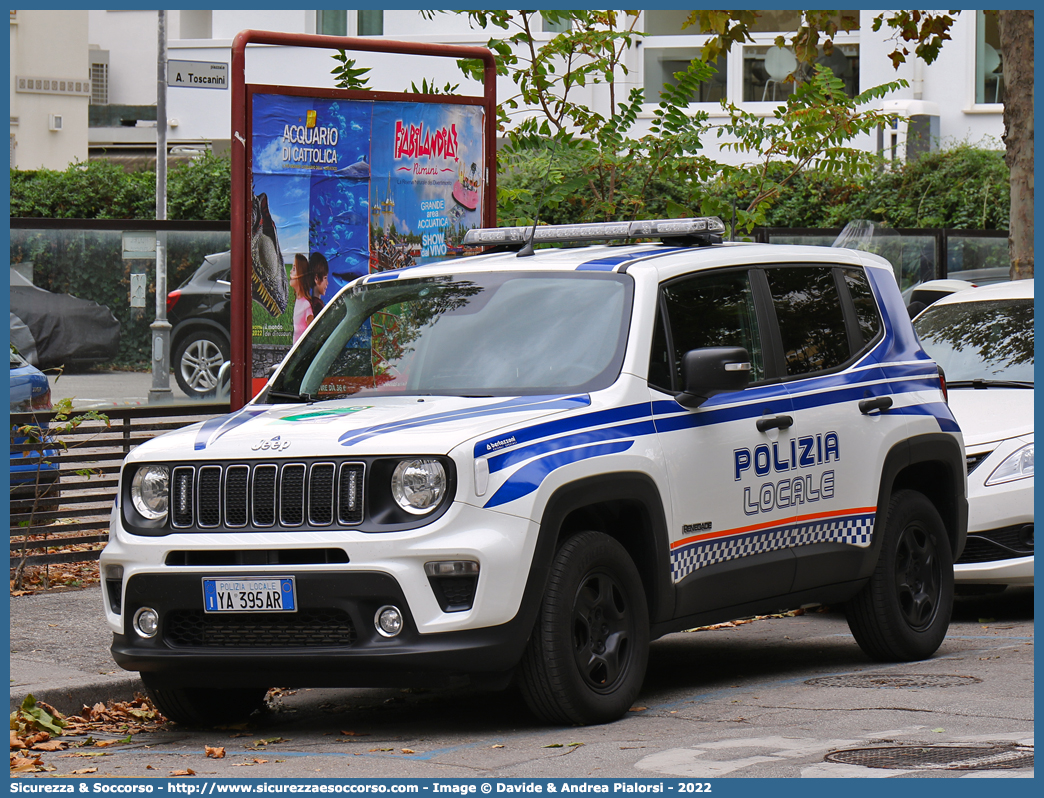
(855, 530)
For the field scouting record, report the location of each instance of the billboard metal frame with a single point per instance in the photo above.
(241, 340)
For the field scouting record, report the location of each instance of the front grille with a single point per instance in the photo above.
(972, 460)
(305, 629)
(1006, 543)
(290, 494)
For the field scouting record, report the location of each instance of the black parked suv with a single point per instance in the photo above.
(199, 312)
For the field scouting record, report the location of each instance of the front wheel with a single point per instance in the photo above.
(203, 706)
(903, 612)
(586, 658)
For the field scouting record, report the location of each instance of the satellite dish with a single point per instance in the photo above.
(780, 63)
(990, 59)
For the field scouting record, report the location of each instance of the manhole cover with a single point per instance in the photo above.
(880, 680)
(938, 757)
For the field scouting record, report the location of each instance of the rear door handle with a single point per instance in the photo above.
(881, 403)
(765, 423)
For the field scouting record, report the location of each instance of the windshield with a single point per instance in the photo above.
(990, 340)
(476, 335)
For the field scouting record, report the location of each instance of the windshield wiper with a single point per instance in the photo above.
(983, 384)
(289, 397)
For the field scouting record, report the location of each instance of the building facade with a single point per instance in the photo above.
(50, 88)
(961, 94)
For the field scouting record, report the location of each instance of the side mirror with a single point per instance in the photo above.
(712, 370)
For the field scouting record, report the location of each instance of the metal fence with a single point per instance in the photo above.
(71, 524)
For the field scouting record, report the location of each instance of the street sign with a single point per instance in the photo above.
(197, 74)
(139, 244)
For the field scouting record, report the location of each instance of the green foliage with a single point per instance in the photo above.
(346, 74)
(963, 187)
(92, 190)
(201, 189)
(431, 88)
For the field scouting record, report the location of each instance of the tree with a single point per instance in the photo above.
(926, 32)
(590, 155)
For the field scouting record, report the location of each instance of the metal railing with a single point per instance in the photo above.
(72, 524)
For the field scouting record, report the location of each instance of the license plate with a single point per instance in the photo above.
(276, 594)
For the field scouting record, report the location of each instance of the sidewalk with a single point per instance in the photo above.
(60, 652)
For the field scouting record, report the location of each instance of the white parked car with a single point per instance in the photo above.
(983, 340)
(506, 465)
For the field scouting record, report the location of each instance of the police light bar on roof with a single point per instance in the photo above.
(702, 227)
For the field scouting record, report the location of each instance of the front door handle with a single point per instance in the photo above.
(881, 403)
(765, 423)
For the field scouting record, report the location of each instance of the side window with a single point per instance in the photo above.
(709, 309)
(868, 317)
(811, 321)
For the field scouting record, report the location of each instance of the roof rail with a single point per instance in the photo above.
(702, 230)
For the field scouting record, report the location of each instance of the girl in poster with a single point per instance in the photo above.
(309, 278)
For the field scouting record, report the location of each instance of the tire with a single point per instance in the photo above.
(204, 706)
(903, 612)
(585, 661)
(197, 361)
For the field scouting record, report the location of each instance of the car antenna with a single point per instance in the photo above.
(527, 250)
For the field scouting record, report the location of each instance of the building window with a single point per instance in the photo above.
(765, 72)
(661, 64)
(989, 82)
(770, 73)
(99, 83)
(331, 23)
(371, 23)
(561, 26)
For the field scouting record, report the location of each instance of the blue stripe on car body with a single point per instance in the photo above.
(224, 424)
(528, 478)
(502, 461)
(510, 406)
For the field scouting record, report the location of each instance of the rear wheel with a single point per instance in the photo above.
(586, 658)
(197, 361)
(903, 612)
(204, 706)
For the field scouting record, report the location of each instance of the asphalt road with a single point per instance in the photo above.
(730, 702)
(95, 389)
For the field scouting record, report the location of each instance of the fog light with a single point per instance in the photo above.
(146, 622)
(388, 621)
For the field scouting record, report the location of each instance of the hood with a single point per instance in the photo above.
(992, 414)
(431, 425)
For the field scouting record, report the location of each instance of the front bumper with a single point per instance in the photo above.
(330, 641)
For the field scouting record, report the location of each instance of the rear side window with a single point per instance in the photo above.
(868, 317)
(811, 320)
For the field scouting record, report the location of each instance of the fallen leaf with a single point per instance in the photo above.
(575, 745)
(554, 745)
(355, 734)
(375, 750)
(408, 751)
(260, 761)
(28, 764)
(51, 745)
(16, 741)
(214, 752)
(496, 746)
(149, 767)
(185, 772)
(84, 770)
(637, 709)
(938, 731)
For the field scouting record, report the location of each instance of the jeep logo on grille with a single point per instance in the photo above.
(273, 444)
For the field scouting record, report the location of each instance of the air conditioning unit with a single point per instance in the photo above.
(914, 133)
(54, 122)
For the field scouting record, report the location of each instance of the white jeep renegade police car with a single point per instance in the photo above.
(505, 466)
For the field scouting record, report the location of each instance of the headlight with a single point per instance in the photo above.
(418, 485)
(149, 491)
(1017, 465)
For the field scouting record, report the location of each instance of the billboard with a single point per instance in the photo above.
(343, 187)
